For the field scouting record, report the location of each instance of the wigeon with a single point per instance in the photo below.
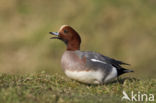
(86, 66)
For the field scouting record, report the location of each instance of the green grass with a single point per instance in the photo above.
(45, 88)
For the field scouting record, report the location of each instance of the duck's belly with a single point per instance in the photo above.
(90, 77)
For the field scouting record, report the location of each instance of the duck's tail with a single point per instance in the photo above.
(123, 70)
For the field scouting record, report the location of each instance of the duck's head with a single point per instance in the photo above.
(69, 36)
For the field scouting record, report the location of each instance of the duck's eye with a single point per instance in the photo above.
(65, 31)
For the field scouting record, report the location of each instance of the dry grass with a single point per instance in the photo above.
(44, 88)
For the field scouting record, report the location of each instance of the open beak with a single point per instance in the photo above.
(54, 33)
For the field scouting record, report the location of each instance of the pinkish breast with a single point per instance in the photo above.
(70, 61)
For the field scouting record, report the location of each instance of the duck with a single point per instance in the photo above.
(86, 66)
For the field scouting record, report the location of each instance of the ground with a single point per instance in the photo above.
(46, 88)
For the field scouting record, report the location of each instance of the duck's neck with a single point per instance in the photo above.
(74, 45)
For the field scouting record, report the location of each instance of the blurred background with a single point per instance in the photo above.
(121, 29)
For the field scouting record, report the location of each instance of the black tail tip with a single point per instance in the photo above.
(123, 71)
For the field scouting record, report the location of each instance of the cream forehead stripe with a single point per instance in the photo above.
(62, 27)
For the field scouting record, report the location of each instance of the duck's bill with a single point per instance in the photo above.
(54, 33)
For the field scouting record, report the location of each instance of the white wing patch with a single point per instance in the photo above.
(95, 60)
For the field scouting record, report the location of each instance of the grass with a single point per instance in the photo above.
(45, 88)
